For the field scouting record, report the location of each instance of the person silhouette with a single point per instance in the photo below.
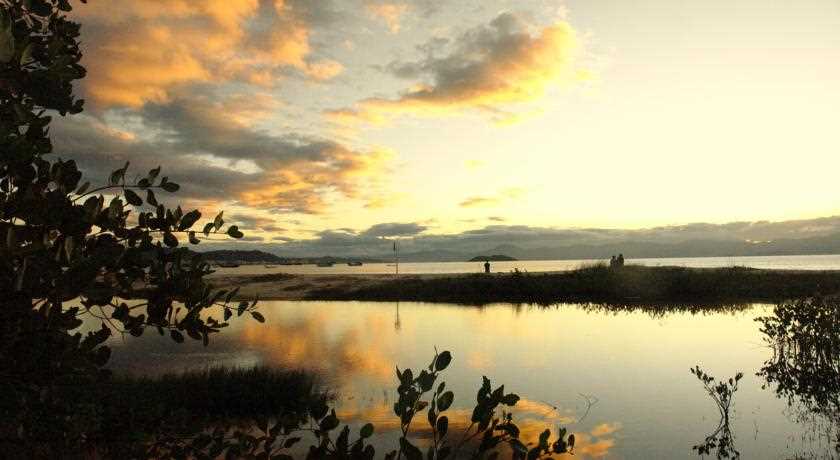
(486, 266)
(612, 261)
(620, 260)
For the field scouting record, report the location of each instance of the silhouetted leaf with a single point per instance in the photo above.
(176, 336)
(233, 231)
(170, 240)
(445, 400)
(258, 316)
(443, 361)
(170, 187)
(150, 198)
(132, 198)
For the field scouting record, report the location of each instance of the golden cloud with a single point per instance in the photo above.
(307, 344)
(302, 186)
(490, 66)
(391, 13)
(144, 49)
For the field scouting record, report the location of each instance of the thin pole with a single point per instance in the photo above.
(397, 256)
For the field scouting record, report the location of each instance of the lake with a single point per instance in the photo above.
(812, 262)
(618, 379)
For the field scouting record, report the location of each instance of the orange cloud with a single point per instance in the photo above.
(391, 13)
(301, 186)
(145, 49)
(489, 67)
(306, 344)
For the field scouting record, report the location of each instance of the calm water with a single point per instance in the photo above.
(632, 367)
(819, 262)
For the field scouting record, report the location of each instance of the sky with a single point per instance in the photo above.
(311, 118)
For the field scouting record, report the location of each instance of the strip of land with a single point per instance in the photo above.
(625, 285)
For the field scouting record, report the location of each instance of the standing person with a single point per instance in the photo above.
(620, 260)
(486, 266)
(612, 261)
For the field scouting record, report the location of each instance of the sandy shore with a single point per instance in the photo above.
(631, 284)
(282, 286)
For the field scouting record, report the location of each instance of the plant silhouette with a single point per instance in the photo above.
(720, 440)
(67, 251)
(804, 369)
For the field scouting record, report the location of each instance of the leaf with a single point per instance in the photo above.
(150, 198)
(445, 400)
(410, 450)
(510, 399)
(153, 174)
(218, 221)
(7, 38)
(132, 198)
(207, 227)
(170, 187)
(176, 336)
(26, 55)
(442, 425)
(366, 431)
(258, 316)
(189, 219)
(329, 422)
(443, 361)
(193, 239)
(170, 240)
(233, 232)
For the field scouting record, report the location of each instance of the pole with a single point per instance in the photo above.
(397, 257)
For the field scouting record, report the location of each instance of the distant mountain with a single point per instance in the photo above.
(262, 257)
(240, 256)
(493, 258)
(523, 242)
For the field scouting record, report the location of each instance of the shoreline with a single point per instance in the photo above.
(630, 284)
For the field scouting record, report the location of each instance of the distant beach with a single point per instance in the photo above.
(595, 283)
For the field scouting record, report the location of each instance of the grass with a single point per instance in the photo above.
(219, 392)
(632, 284)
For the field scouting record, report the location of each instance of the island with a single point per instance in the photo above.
(493, 258)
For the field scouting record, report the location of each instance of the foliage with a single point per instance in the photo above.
(279, 437)
(68, 249)
(804, 335)
(721, 393)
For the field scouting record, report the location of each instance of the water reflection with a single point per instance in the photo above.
(532, 418)
(631, 357)
(804, 368)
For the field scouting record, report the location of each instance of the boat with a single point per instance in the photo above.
(325, 264)
(228, 264)
(354, 263)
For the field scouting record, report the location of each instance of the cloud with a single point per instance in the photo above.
(391, 13)
(145, 49)
(533, 242)
(253, 222)
(486, 69)
(504, 195)
(394, 229)
(474, 201)
(203, 142)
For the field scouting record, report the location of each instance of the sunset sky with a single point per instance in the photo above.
(303, 117)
